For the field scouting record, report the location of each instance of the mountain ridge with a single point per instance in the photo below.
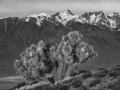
(100, 19)
(112, 20)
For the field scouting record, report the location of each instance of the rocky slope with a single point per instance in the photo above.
(99, 29)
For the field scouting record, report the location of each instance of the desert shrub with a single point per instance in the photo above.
(45, 87)
(74, 74)
(87, 75)
(117, 67)
(83, 71)
(83, 88)
(11, 89)
(101, 88)
(101, 72)
(53, 87)
(94, 82)
(19, 85)
(64, 87)
(116, 87)
(57, 61)
(58, 86)
(39, 88)
(111, 85)
(34, 82)
(105, 70)
(114, 84)
(100, 75)
(115, 71)
(68, 81)
(76, 83)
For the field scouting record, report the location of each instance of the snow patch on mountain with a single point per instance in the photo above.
(100, 18)
(92, 18)
(65, 16)
(112, 23)
(38, 17)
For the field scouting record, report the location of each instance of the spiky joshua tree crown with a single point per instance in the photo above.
(57, 61)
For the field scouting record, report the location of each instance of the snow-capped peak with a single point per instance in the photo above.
(100, 18)
(38, 17)
(65, 16)
(66, 12)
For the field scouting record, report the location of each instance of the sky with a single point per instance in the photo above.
(21, 8)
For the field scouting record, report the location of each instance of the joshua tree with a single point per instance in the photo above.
(56, 61)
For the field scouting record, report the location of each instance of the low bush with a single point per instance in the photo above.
(83, 88)
(94, 82)
(83, 71)
(76, 83)
(115, 71)
(101, 88)
(111, 85)
(101, 72)
(18, 85)
(74, 74)
(87, 75)
(117, 67)
(68, 81)
(64, 87)
(116, 88)
(114, 84)
(34, 82)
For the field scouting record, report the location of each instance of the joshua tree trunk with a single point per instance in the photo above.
(61, 70)
(64, 71)
(70, 70)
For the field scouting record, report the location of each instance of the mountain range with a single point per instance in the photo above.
(100, 19)
(100, 30)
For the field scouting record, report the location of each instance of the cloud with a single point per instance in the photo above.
(27, 7)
